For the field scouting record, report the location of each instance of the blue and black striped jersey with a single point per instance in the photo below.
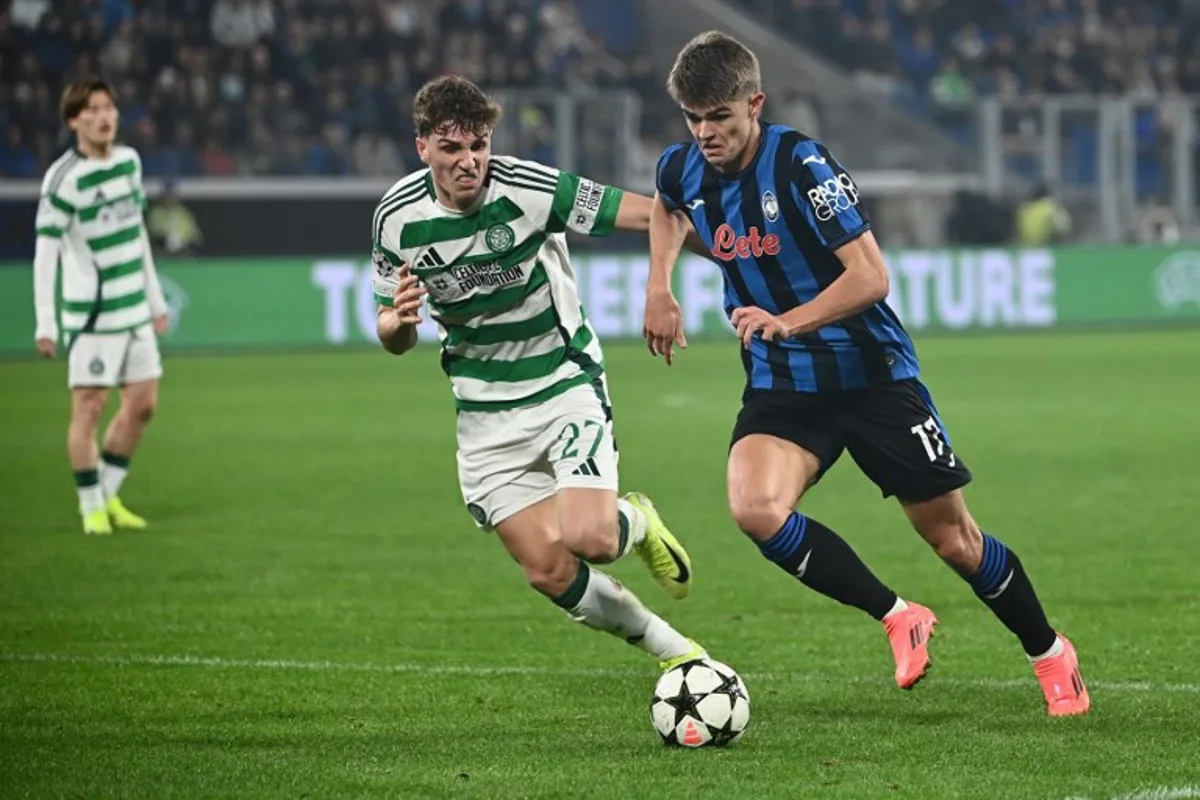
(774, 228)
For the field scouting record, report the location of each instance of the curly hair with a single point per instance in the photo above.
(451, 102)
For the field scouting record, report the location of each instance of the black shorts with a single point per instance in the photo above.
(892, 431)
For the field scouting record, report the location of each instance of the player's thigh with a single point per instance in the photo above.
(531, 537)
(143, 361)
(894, 434)
(783, 442)
(96, 360)
(577, 437)
(578, 441)
(501, 471)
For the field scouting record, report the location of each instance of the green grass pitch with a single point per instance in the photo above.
(313, 614)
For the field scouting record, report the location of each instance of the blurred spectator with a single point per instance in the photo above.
(376, 155)
(285, 87)
(800, 112)
(172, 226)
(1042, 220)
(241, 23)
(977, 220)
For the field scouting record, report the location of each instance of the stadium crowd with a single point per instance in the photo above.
(279, 87)
(937, 57)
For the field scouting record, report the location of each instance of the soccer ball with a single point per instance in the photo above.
(702, 703)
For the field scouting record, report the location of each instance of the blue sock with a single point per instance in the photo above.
(786, 543)
(993, 570)
(822, 561)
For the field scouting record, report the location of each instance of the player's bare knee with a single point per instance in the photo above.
(957, 541)
(141, 412)
(759, 516)
(551, 576)
(594, 540)
(87, 407)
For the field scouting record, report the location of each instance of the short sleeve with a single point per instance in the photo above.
(384, 277)
(584, 206)
(668, 176)
(827, 195)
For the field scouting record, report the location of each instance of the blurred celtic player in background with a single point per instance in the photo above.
(481, 239)
(89, 219)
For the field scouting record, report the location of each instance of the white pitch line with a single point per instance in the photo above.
(180, 660)
(1155, 793)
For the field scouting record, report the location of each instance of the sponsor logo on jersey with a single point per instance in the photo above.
(833, 196)
(452, 285)
(728, 244)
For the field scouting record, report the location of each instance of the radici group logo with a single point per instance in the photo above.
(1177, 281)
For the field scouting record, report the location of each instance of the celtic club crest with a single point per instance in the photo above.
(500, 238)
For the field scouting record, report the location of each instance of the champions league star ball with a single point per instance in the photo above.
(702, 703)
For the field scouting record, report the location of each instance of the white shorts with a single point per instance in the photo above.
(114, 359)
(511, 460)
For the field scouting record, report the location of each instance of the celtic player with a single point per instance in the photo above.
(89, 219)
(481, 240)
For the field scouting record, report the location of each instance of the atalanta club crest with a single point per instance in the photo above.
(770, 206)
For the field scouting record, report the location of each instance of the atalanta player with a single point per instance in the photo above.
(829, 368)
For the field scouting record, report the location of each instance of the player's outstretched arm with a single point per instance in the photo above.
(636, 214)
(396, 324)
(662, 325)
(863, 283)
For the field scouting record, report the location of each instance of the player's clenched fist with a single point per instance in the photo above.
(406, 300)
(749, 320)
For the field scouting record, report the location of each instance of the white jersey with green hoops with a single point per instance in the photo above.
(94, 206)
(500, 283)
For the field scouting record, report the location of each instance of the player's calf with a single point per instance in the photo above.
(999, 580)
(984, 562)
(946, 525)
(552, 573)
(587, 595)
(808, 551)
(87, 404)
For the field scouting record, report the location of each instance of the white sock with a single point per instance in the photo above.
(112, 476)
(1056, 649)
(636, 522)
(608, 606)
(91, 496)
(900, 605)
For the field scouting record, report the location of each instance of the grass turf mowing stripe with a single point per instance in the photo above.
(182, 660)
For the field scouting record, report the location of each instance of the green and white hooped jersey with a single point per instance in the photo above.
(95, 207)
(500, 283)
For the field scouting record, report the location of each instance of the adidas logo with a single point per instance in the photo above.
(915, 636)
(587, 468)
(430, 260)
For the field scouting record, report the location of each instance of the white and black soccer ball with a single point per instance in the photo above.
(702, 703)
